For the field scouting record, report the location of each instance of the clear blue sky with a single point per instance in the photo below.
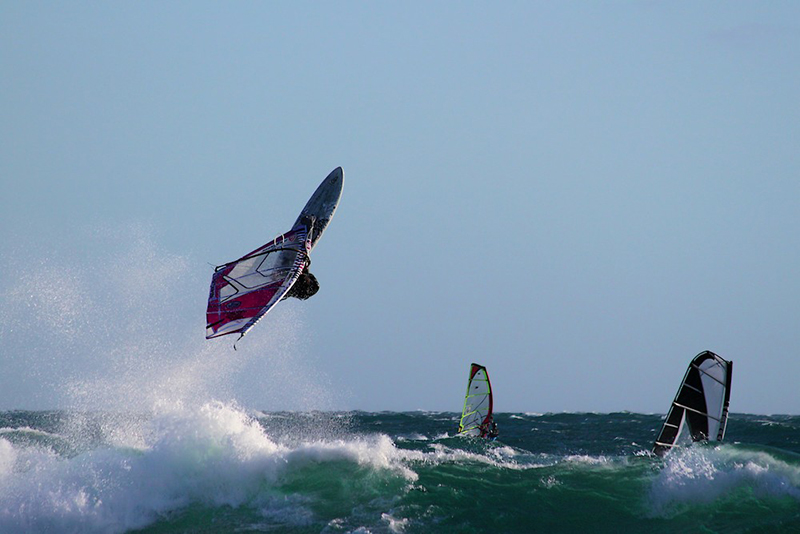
(579, 195)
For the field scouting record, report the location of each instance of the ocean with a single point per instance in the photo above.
(218, 468)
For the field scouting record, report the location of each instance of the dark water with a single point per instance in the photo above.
(217, 468)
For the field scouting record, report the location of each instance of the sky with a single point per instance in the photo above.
(580, 196)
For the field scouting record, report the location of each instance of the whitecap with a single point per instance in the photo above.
(699, 475)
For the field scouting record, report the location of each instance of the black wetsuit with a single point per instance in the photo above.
(306, 286)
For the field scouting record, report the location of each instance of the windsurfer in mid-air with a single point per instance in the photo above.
(306, 285)
(244, 290)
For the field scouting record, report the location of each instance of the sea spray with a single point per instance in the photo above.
(141, 434)
(124, 331)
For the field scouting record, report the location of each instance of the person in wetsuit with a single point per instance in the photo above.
(489, 429)
(306, 285)
(493, 432)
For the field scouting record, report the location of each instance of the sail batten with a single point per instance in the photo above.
(705, 414)
(701, 403)
(692, 388)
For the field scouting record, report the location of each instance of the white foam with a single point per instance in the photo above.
(703, 474)
(123, 334)
(585, 459)
(502, 457)
(395, 525)
(26, 430)
(8, 458)
(550, 482)
(214, 454)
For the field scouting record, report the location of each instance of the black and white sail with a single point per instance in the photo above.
(701, 403)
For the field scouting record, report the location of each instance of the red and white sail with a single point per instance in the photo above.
(243, 291)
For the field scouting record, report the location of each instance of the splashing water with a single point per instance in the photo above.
(157, 431)
(125, 331)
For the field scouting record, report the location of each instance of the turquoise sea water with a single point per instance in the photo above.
(219, 468)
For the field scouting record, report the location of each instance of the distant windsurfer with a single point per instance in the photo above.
(493, 432)
(489, 429)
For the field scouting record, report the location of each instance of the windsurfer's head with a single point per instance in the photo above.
(305, 287)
